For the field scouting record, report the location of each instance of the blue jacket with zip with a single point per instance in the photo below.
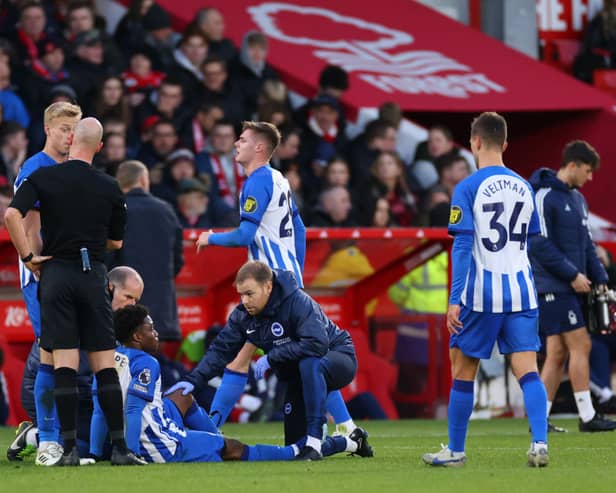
(565, 247)
(291, 327)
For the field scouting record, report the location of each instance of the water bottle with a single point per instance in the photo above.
(602, 312)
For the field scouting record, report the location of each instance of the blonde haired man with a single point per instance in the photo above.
(60, 120)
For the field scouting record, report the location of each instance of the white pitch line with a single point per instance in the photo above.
(410, 447)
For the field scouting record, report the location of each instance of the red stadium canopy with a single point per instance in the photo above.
(435, 68)
(405, 52)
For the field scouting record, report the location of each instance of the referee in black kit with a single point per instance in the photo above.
(82, 214)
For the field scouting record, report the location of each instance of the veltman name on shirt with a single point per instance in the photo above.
(502, 184)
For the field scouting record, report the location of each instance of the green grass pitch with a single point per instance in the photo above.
(496, 452)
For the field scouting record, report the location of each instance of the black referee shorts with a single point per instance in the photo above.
(75, 307)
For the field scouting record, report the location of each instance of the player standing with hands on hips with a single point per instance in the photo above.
(493, 295)
(74, 292)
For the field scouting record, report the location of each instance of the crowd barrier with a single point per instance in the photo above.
(347, 271)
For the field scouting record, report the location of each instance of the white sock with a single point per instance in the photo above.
(31, 437)
(549, 408)
(584, 405)
(295, 449)
(351, 446)
(325, 432)
(604, 394)
(349, 426)
(313, 442)
(250, 403)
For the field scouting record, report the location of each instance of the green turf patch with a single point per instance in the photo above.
(496, 462)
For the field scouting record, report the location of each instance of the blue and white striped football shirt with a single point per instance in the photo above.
(496, 206)
(139, 374)
(266, 201)
(34, 162)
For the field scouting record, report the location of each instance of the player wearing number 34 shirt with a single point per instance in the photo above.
(496, 207)
(493, 296)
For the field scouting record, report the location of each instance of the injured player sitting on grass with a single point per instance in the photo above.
(175, 428)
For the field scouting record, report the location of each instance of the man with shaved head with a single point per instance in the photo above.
(82, 215)
(59, 121)
(126, 287)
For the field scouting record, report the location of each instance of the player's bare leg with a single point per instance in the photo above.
(553, 371)
(579, 345)
(553, 367)
(241, 363)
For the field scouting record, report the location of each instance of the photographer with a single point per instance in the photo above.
(565, 267)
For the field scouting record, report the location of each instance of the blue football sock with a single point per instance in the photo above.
(229, 392)
(46, 418)
(197, 419)
(535, 400)
(333, 445)
(337, 408)
(268, 452)
(459, 412)
(98, 429)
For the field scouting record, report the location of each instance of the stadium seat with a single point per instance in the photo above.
(605, 80)
(13, 369)
(374, 374)
(561, 53)
(420, 348)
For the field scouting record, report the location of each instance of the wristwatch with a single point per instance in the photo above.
(27, 258)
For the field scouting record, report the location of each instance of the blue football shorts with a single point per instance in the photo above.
(515, 332)
(197, 446)
(33, 306)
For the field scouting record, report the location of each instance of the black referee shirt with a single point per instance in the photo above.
(80, 207)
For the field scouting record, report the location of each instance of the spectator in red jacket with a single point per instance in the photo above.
(30, 30)
(140, 79)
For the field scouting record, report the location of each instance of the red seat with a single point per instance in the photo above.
(13, 369)
(561, 53)
(605, 80)
(374, 374)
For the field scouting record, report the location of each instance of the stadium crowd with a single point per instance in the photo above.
(175, 101)
(172, 105)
